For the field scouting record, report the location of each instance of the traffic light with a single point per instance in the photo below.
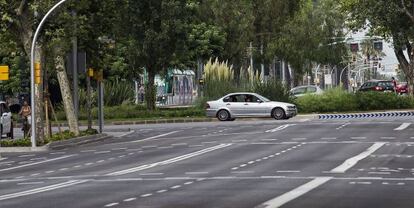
(4, 72)
(37, 73)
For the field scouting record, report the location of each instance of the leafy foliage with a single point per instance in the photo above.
(337, 100)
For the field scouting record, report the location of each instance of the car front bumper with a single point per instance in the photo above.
(291, 113)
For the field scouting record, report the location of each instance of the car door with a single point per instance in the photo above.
(235, 104)
(5, 118)
(254, 106)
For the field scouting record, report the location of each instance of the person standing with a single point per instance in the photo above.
(141, 92)
(25, 113)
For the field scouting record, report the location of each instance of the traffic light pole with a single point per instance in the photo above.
(32, 73)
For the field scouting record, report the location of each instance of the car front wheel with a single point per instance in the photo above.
(278, 114)
(223, 115)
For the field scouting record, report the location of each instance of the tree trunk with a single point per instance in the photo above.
(66, 95)
(407, 66)
(150, 90)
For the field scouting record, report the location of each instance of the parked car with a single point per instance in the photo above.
(303, 90)
(377, 85)
(402, 88)
(245, 104)
(6, 123)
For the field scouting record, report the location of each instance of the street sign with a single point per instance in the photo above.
(4, 73)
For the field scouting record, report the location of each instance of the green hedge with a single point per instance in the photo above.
(140, 112)
(337, 100)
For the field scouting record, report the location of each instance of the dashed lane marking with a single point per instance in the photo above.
(111, 204)
(155, 137)
(36, 163)
(42, 189)
(169, 161)
(129, 199)
(279, 128)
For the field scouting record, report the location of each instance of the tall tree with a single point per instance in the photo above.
(391, 19)
(160, 29)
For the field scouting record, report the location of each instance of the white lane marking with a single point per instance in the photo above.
(146, 195)
(31, 183)
(155, 137)
(189, 182)
(42, 189)
(27, 155)
(36, 163)
(102, 152)
(268, 139)
(84, 151)
(175, 187)
(402, 127)
(111, 204)
(358, 138)
(169, 161)
(35, 174)
(120, 148)
(151, 174)
(196, 173)
(387, 137)
(162, 191)
(125, 134)
(380, 173)
(179, 144)
(299, 139)
(328, 138)
(295, 193)
(349, 163)
(279, 128)
(130, 199)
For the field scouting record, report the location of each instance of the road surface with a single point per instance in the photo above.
(241, 164)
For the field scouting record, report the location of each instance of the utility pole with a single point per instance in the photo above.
(262, 73)
(251, 55)
(75, 71)
(32, 72)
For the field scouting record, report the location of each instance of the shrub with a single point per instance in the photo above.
(337, 100)
(272, 89)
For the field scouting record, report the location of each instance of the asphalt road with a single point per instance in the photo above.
(252, 164)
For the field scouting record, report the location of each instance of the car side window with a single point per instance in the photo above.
(301, 90)
(311, 89)
(226, 99)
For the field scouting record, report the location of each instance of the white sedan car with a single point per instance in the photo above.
(245, 104)
(6, 124)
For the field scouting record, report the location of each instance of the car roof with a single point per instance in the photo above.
(236, 93)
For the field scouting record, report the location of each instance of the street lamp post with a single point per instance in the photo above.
(32, 75)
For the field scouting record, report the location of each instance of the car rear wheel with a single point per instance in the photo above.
(223, 115)
(278, 114)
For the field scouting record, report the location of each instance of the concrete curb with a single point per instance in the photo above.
(77, 141)
(56, 145)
